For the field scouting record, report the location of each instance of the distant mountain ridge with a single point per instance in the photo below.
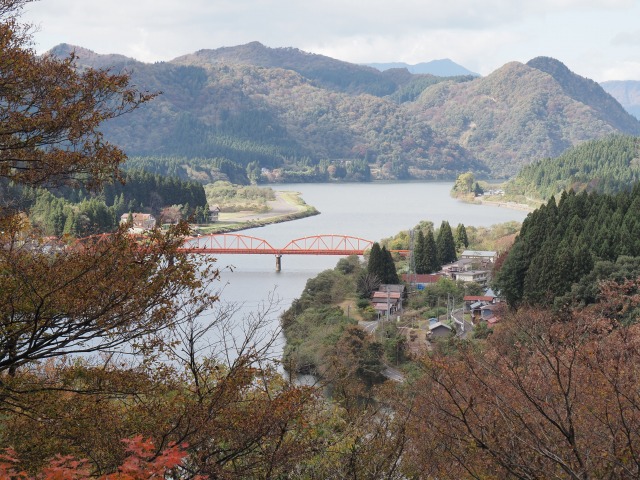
(92, 58)
(627, 92)
(325, 71)
(523, 112)
(287, 110)
(442, 68)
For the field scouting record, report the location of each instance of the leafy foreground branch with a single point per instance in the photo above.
(112, 338)
(142, 463)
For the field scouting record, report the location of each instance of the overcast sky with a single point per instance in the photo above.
(598, 39)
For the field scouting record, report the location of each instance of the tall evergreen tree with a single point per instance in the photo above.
(462, 241)
(420, 254)
(390, 275)
(375, 265)
(431, 253)
(445, 244)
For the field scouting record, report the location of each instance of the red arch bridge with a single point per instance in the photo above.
(229, 243)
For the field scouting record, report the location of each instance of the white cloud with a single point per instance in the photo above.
(482, 36)
(465, 48)
(627, 38)
(627, 70)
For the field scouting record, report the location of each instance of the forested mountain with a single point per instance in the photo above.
(278, 118)
(521, 113)
(89, 57)
(308, 117)
(442, 68)
(627, 92)
(608, 165)
(589, 93)
(318, 69)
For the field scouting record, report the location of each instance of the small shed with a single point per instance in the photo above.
(214, 213)
(439, 329)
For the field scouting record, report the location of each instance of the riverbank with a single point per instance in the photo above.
(287, 206)
(496, 201)
(505, 204)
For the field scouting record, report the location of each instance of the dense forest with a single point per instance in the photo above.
(203, 170)
(608, 165)
(566, 248)
(79, 212)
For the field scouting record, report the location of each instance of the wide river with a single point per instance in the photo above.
(369, 211)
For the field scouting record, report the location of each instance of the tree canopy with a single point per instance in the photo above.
(445, 244)
(560, 243)
(607, 165)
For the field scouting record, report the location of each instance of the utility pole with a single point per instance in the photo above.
(388, 301)
(412, 260)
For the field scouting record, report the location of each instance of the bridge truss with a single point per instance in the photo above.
(228, 243)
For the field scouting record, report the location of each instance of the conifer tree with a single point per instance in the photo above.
(445, 244)
(375, 265)
(420, 254)
(390, 275)
(431, 253)
(461, 237)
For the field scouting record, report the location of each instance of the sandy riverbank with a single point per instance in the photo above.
(505, 204)
(286, 206)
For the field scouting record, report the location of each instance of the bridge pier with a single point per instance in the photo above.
(278, 262)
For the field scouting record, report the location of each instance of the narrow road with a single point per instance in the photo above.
(393, 374)
(458, 318)
(369, 327)
(390, 372)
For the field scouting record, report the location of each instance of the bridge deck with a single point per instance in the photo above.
(247, 245)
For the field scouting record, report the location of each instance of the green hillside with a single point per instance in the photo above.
(608, 165)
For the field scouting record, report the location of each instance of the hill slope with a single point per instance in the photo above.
(320, 70)
(298, 112)
(521, 113)
(589, 93)
(278, 118)
(608, 165)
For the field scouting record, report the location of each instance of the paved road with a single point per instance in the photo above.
(468, 326)
(370, 327)
(393, 374)
(389, 372)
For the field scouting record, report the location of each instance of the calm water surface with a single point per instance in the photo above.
(370, 211)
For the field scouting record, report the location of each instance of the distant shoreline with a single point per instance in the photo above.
(495, 203)
(507, 204)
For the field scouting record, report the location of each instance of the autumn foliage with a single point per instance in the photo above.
(116, 337)
(550, 396)
(51, 112)
(143, 463)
